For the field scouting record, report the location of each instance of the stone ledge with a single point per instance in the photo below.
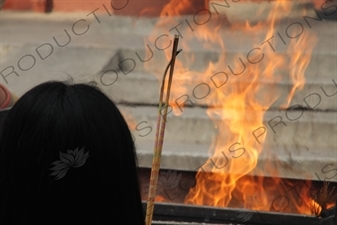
(288, 163)
(312, 130)
(87, 56)
(143, 88)
(321, 63)
(125, 60)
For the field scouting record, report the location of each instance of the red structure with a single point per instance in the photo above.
(120, 7)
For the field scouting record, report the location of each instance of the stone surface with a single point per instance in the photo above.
(306, 145)
(106, 46)
(143, 88)
(301, 147)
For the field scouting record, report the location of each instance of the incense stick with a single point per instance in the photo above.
(160, 132)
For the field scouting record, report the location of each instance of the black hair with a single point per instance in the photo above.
(68, 157)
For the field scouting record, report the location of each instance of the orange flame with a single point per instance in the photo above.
(239, 104)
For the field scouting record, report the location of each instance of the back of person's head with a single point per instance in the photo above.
(68, 157)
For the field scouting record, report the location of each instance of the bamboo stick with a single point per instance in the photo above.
(160, 132)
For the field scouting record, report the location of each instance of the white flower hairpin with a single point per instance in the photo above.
(73, 158)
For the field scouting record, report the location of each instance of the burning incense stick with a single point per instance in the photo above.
(161, 124)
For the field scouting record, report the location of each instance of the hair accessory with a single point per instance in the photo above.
(74, 159)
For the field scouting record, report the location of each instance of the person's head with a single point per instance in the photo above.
(68, 157)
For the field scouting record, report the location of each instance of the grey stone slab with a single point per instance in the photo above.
(106, 44)
(298, 150)
(143, 88)
(107, 67)
(79, 63)
(274, 162)
(321, 63)
(19, 27)
(310, 131)
(198, 54)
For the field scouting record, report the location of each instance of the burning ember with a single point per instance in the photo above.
(239, 90)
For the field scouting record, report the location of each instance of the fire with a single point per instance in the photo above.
(160, 198)
(245, 90)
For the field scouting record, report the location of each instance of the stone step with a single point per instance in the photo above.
(322, 63)
(141, 88)
(86, 59)
(298, 149)
(305, 148)
(289, 163)
(300, 131)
